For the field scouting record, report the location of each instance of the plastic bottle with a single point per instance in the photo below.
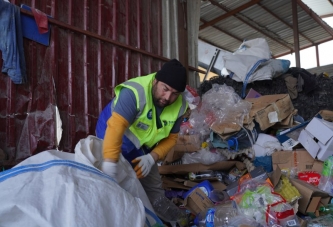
(219, 196)
(169, 212)
(328, 209)
(215, 216)
(326, 179)
(245, 138)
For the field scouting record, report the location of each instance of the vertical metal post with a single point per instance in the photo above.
(212, 63)
(295, 28)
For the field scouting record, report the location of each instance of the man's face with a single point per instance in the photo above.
(163, 94)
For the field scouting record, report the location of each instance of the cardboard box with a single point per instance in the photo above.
(317, 138)
(269, 109)
(197, 201)
(198, 167)
(318, 166)
(326, 115)
(188, 143)
(312, 197)
(300, 160)
(288, 122)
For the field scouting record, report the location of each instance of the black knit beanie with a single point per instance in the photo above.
(173, 73)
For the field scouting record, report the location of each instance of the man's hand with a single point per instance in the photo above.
(110, 168)
(144, 166)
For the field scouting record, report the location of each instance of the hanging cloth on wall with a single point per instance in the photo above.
(36, 28)
(11, 43)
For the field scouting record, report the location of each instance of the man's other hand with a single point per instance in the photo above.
(145, 162)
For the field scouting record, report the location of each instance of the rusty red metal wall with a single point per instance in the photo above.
(77, 72)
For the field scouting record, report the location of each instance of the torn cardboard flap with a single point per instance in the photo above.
(172, 156)
(225, 128)
(188, 143)
(264, 106)
(288, 122)
(197, 201)
(309, 200)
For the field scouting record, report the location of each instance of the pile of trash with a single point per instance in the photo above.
(242, 162)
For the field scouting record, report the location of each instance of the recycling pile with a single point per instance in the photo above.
(225, 170)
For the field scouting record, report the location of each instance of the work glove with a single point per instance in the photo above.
(144, 166)
(110, 168)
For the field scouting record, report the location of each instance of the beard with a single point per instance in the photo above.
(158, 101)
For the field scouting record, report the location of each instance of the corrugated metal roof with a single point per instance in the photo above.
(321, 7)
(273, 20)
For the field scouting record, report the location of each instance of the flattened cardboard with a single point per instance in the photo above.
(190, 184)
(188, 143)
(300, 159)
(169, 183)
(197, 167)
(279, 106)
(309, 192)
(197, 201)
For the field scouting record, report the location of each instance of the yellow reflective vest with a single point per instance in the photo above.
(144, 129)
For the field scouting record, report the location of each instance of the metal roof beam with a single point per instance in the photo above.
(302, 48)
(228, 14)
(209, 42)
(221, 30)
(315, 17)
(327, 15)
(288, 25)
(247, 23)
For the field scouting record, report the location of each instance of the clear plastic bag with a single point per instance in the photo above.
(255, 198)
(204, 156)
(221, 104)
(192, 97)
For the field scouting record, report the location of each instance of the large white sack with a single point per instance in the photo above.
(55, 188)
(64, 193)
(89, 152)
(255, 47)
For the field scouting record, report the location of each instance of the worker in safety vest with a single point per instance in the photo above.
(142, 122)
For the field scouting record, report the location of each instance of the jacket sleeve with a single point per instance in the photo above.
(116, 126)
(163, 147)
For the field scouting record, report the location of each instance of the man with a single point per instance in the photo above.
(142, 122)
